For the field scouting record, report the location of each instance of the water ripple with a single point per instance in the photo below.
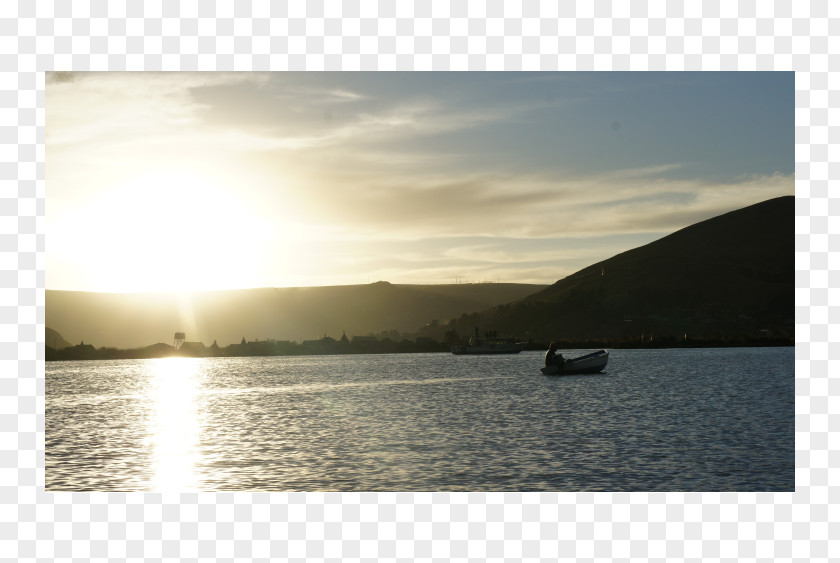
(657, 420)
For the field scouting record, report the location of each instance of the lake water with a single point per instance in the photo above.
(656, 420)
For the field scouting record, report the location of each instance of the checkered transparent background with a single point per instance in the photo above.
(389, 35)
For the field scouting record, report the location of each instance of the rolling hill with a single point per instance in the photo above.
(728, 277)
(54, 340)
(137, 320)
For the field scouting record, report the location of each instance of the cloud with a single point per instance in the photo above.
(512, 251)
(136, 111)
(346, 95)
(387, 125)
(544, 206)
(58, 77)
(482, 169)
(97, 107)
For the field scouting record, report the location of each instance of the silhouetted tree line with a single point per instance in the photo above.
(326, 346)
(323, 346)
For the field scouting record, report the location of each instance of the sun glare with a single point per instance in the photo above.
(169, 232)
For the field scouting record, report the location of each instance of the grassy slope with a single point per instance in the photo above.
(134, 320)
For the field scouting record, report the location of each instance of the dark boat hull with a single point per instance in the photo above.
(590, 363)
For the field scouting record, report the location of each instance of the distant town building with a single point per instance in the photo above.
(193, 349)
(363, 339)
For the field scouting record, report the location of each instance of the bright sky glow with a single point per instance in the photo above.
(190, 181)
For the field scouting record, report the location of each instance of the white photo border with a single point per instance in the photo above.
(744, 36)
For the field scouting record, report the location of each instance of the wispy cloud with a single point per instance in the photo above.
(155, 109)
(97, 106)
(451, 169)
(511, 251)
(347, 95)
(638, 201)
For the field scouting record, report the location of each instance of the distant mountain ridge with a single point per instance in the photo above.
(302, 313)
(731, 276)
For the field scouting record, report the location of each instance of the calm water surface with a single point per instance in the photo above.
(675, 420)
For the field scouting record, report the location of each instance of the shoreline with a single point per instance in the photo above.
(267, 349)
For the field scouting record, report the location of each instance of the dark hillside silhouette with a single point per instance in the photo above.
(55, 340)
(729, 277)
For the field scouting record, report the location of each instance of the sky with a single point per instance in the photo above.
(205, 181)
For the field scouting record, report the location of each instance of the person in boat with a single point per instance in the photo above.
(552, 358)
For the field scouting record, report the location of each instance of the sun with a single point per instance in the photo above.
(166, 232)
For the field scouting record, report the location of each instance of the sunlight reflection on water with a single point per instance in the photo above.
(657, 420)
(173, 427)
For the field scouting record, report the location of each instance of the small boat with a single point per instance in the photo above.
(491, 345)
(590, 363)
